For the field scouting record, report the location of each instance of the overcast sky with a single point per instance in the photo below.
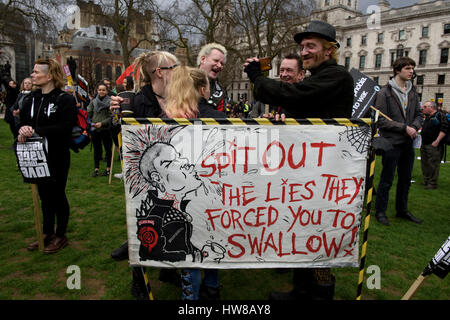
(363, 4)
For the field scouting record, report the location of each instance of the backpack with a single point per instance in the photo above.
(81, 131)
(446, 139)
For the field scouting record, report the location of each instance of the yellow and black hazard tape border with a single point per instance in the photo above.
(243, 122)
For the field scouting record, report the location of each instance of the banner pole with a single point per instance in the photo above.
(112, 162)
(371, 164)
(412, 290)
(37, 217)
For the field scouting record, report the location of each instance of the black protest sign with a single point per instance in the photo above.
(440, 264)
(365, 90)
(32, 160)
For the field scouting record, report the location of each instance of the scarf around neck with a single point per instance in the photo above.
(101, 104)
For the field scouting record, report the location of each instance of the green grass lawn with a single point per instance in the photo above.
(97, 226)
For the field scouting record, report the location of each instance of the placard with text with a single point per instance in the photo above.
(244, 196)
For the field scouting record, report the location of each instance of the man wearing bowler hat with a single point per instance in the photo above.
(327, 93)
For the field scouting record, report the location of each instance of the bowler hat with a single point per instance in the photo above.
(318, 28)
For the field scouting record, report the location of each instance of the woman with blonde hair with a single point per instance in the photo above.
(51, 113)
(187, 96)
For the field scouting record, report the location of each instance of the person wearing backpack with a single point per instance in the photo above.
(100, 115)
(434, 130)
(51, 113)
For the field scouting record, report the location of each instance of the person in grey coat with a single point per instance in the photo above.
(400, 102)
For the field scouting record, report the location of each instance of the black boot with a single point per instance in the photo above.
(208, 293)
(323, 286)
(302, 281)
(120, 253)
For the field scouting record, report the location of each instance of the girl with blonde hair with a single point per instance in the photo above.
(187, 96)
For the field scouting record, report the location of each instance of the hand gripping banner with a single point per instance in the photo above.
(244, 194)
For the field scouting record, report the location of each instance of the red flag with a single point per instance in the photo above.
(127, 72)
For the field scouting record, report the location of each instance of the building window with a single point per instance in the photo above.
(420, 80)
(349, 2)
(441, 79)
(104, 31)
(347, 63)
(378, 57)
(425, 31)
(422, 57)
(399, 53)
(97, 30)
(118, 71)
(349, 42)
(444, 55)
(380, 37)
(392, 58)
(402, 35)
(362, 62)
(363, 40)
(447, 28)
(98, 72)
(108, 71)
(327, 2)
(377, 80)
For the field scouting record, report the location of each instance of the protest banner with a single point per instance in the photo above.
(244, 196)
(68, 75)
(365, 90)
(32, 162)
(32, 159)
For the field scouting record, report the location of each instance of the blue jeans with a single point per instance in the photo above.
(401, 157)
(191, 280)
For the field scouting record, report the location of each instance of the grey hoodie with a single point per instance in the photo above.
(402, 95)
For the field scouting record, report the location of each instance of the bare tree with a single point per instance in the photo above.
(267, 26)
(18, 15)
(123, 16)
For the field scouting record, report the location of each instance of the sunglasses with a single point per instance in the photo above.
(165, 68)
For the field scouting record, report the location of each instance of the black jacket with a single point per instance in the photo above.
(145, 104)
(53, 116)
(207, 110)
(395, 129)
(432, 127)
(327, 93)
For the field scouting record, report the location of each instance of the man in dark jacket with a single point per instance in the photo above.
(434, 129)
(327, 93)
(400, 102)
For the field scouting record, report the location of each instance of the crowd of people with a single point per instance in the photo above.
(165, 89)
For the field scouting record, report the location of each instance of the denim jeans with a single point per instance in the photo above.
(191, 280)
(401, 157)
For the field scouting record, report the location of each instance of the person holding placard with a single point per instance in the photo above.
(51, 113)
(327, 93)
(187, 97)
